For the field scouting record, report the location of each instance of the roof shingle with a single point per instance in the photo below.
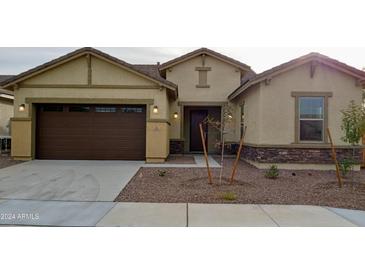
(5, 77)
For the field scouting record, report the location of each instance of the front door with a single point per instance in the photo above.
(196, 117)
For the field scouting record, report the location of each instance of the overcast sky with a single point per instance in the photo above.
(16, 60)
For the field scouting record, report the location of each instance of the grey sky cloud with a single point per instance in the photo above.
(16, 60)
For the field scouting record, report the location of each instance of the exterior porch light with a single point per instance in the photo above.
(155, 109)
(230, 116)
(176, 115)
(21, 107)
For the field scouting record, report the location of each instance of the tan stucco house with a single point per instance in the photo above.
(90, 105)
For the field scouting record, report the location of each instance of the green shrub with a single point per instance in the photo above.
(162, 173)
(346, 166)
(229, 196)
(272, 173)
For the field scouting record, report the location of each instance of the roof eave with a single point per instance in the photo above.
(301, 61)
(74, 55)
(198, 52)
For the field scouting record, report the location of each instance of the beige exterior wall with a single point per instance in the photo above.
(131, 93)
(108, 74)
(71, 73)
(21, 138)
(157, 148)
(6, 112)
(252, 114)
(271, 112)
(175, 124)
(222, 80)
(83, 95)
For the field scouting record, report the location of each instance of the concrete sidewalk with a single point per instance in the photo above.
(62, 213)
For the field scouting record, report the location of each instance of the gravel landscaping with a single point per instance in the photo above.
(251, 187)
(5, 161)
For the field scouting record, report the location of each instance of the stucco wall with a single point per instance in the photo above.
(252, 119)
(74, 72)
(108, 74)
(274, 108)
(222, 80)
(21, 142)
(276, 99)
(159, 97)
(6, 112)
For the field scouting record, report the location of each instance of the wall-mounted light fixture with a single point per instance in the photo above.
(155, 109)
(21, 107)
(230, 116)
(176, 115)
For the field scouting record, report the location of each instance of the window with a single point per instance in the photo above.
(132, 109)
(105, 109)
(311, 119)
(52, 108)
(242, 117)
(79, 109)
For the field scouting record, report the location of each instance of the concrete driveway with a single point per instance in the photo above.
(66, 180)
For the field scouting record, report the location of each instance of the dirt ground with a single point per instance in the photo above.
(251, 186)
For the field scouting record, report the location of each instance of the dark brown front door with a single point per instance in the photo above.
(196, 117)
(91, 132)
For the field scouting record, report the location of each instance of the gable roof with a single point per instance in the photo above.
(144, 71)
(206, 51)
(152, 70)
(314, 56)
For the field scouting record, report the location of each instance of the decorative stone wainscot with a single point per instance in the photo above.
(298, 155)
(176, 147)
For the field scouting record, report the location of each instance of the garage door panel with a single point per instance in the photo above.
(91, 135)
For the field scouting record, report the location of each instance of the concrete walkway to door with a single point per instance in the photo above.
(199, 162)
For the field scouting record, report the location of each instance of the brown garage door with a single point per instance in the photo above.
(91, 132)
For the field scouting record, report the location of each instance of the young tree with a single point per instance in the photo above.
(225, 126)
(353, 125)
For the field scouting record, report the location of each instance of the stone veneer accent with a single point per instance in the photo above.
(176, 147)
(298, 155)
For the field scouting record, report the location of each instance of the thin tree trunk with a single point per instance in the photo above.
(222, 159)
(205, 153)
(353, 167)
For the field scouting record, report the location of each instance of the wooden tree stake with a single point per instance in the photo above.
(334, 157)
(205, 153)
(238, 156)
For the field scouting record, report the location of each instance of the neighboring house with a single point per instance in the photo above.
(6, 108)
(90, 105)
